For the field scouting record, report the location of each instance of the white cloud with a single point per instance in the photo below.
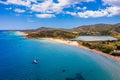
(93, 14)
(71, 13)
(42, 7)
(109, 11)
(19, 2)
(2, 2)
(79, 8)
(19, 10)
(112, 2)
(48, 8)
(49, 5)
(26, 3)
(112, 10)
(8, 8)
(45, 15)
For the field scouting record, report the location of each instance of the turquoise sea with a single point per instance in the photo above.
(57, 61)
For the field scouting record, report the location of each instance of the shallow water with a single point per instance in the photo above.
(56, 61)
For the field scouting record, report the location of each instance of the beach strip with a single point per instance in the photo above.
(21, 33)
(74, 43)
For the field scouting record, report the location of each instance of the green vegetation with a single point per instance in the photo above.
(96, 30)
(59, 34)
(105, 46)
(101, 30)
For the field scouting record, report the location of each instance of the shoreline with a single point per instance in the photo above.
(21, 33)
(74, 43)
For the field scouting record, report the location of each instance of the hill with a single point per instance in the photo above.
(92, 30)
(98, 29)
(51, 33)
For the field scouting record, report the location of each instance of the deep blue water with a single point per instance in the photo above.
(56, 61)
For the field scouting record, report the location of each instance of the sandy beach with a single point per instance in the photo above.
(21, 33)
(74, 43)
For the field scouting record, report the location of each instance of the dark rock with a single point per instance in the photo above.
(79, 77)
(69, 79)
(63, 70)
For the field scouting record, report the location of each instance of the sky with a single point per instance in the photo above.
(32, 14)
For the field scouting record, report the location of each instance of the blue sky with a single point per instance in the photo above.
(32, 14)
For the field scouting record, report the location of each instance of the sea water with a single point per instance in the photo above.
(56, 61)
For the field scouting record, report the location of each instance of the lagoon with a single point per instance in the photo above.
(95, 38)
(57, 61)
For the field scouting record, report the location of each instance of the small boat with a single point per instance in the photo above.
(35, 61)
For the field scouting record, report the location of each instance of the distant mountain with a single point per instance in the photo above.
(117, 27)
(92, 26)
(98, 29)
(44, 28)
(48, 28)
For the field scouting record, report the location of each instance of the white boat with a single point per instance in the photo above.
(35, 61)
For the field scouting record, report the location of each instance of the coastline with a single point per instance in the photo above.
(21, 33)
(74, 43)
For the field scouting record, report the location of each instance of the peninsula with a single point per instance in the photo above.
(110, 47)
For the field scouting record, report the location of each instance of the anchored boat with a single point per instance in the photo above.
(35, 61)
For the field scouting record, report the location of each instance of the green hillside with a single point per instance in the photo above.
(99, 29)
(51, 33)
(96, 30)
